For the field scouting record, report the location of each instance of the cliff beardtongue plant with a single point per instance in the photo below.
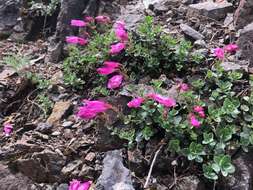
(231, 48)
(78, 185)
(167, 102)
(8, 128)
(76, 40)
(91, 109)
(117, 48)
(103, 19)
(78, 23)
(115, 82)
(219, 53)
(136, 102)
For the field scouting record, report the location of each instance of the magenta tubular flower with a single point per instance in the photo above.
(121, 34)
(74, 184)
(167, 102)
(105, 70)
(85, 185)
(194, 121)
(89, 19)
(111, 64)
(90, 109)
(8, 128)
(76, 40)
(219, 53)
(77, 185)
(117, 48)
(136, 102)
(102, 19)
(115, 82)
(198, 109)
(231, 48)
(183, 87)
(79, 23)
(202, 114)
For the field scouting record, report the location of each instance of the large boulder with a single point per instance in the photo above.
(246, 44)
(42, 167)
(214, 10)
(9, 14)
(243, 15)
(115, 176)
(13, 181)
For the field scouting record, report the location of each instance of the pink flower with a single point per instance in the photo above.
(183, 87)
(202, 114)
(168, 102)
(90, 109)
(136, 102)
(198, 109)
(117, 48)
(77, 185)
(111, 64)
(219, 53)
(89, 19)
(105, 70)
(8, 128)
(115, 82)
(76, 40)
(120, 25)
(194, 121)
(102, 19)
(231, 48)
(79, 23)
(121, 34)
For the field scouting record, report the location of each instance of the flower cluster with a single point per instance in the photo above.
(84, 23)
(220, 52)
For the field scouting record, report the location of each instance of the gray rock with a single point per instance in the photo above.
(132, 14)
(87, 172)
(67, 124)
(217, 11)
(43, 167)
(160, 6)
(200, 44)
(243, 15)
(10, 181)
(70, 167)
(190, 32)
(245, 43)
(63, 186)
(114, 175)
(189, 183)
(44, 128)
(9, 13)
(230, 66)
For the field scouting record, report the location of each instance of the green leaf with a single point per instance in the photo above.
(147, 132)
(209, 172)
(208, 138)
(174, 145)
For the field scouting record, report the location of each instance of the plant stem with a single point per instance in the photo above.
(151, 167)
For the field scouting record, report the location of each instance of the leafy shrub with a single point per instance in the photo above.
(210, 120)
(149, 52)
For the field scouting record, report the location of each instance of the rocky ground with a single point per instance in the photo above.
(47, 150)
